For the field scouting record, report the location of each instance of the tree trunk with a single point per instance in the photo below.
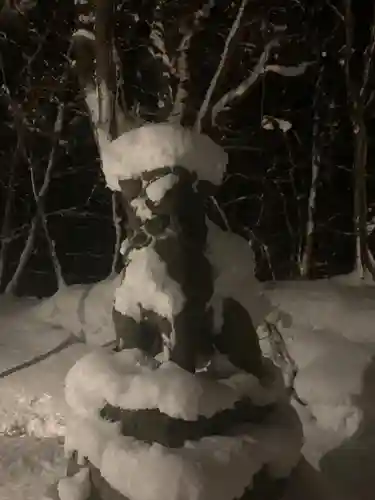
(357, 102)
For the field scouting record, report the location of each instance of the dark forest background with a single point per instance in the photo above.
(265, 196)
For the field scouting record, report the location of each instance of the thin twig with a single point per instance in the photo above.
(283, 359)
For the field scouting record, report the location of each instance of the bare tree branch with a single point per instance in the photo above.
(39, 201)
(244, 86)
(105, 67)
(24, 258)
(211, 89)
(27, 251)
(335, 10)
(39, 196)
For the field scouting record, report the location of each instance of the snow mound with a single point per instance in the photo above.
(22, 336)
(129, 381)
(76, 487)
(28, 465)
(233, 263)
(32, 399)
(332, 342)
(330, 305)
(218, 467)
(83, 310)
(31, 379)
(160, 145)
(332, 382)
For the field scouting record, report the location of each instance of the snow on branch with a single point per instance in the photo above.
(244, 86)
(210, 91)
(84, 33)
(164, 64)
(288, 70)
(119, 381)
(368, 56)
(183, 75)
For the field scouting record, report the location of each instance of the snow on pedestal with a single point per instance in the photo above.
(160, 145)
(186, 408)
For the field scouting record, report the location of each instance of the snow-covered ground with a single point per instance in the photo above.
(330, 335)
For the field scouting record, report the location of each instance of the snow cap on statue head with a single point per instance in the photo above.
(155, 146)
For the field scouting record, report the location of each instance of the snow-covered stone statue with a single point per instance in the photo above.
(186, 407)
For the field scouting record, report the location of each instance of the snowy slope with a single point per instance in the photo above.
(27, 465)
(84, 310)
(32, 405)
(335, 304)
(331, 337)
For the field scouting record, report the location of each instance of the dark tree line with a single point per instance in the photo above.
(288, 91)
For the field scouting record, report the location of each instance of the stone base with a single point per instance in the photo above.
(152, 426)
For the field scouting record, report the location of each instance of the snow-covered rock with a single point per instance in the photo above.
(127, 380)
